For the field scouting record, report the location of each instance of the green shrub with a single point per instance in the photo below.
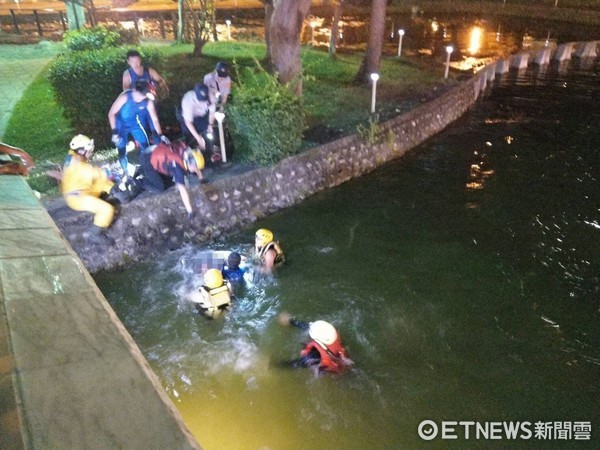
(266, 118)
(126, 37)
(91, 39)
(87, 83)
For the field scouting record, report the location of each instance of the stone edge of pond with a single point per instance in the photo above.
(154, 224)
(71, 375)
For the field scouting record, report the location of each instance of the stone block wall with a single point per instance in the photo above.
(154, 224)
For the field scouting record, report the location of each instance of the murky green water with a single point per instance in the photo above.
(464, 280)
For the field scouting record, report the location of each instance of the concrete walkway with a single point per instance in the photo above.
(71, 376)
(19, 66)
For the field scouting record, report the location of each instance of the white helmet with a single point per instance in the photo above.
(81, 142)
(322, 332)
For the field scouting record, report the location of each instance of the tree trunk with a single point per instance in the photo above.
(198, 45)
(213, 27)
(268, 15)
(370, 63)
(286, 25)
(335, 27)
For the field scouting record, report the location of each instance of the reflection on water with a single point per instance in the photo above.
(477, 41)
(464, 280)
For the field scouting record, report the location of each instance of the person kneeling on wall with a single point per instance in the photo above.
(214, 296)
(83, 185)
(324, 353)
(165, 164)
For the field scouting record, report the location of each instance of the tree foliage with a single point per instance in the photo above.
(266, 118)
(87, 82)
(199, 23)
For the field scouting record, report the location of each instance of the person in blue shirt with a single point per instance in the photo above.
(133, 113)
(136, 70)
(231, 268)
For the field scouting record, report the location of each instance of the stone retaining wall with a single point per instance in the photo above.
(156, 223)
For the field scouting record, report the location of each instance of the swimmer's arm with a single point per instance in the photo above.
(299, 324)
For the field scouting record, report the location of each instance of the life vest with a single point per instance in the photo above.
(332, 356)
(214, 301)
(279, 257)
(163, 159)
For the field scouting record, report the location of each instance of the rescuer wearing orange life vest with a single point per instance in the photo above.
(165, 164)
(324, 352)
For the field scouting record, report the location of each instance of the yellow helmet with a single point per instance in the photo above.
(193, 158)
(213, 278)
(80, 142)
(263, 237)
(322, 332)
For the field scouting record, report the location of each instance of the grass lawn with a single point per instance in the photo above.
(332, 99)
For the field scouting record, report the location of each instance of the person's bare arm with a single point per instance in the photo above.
(158, 79)
(185, 197)
(114, 110)
(154, 117)
(126, 80)
(194, 132)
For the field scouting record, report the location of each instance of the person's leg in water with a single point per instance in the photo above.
(311, 360)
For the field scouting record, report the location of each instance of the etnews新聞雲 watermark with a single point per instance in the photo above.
(469, 429)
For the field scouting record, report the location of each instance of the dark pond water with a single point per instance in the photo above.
(464, 279)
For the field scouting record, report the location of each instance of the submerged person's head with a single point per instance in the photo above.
(233, 260)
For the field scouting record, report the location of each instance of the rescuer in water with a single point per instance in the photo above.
(214, 296)
(267, 250)
(324, 352)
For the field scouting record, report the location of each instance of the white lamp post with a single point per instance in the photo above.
(313, 24)
(374, 77)
(220, 116)
(449, 51)
(400, 34)
(228, 23)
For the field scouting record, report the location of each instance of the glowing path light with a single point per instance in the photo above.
(449, 51)
(400, 34)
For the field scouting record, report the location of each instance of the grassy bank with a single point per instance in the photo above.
(333, 101)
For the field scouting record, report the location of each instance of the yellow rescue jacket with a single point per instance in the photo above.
(81, 177)
(214, 301)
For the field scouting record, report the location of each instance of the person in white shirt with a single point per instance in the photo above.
(198, 116)
(219, 83)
